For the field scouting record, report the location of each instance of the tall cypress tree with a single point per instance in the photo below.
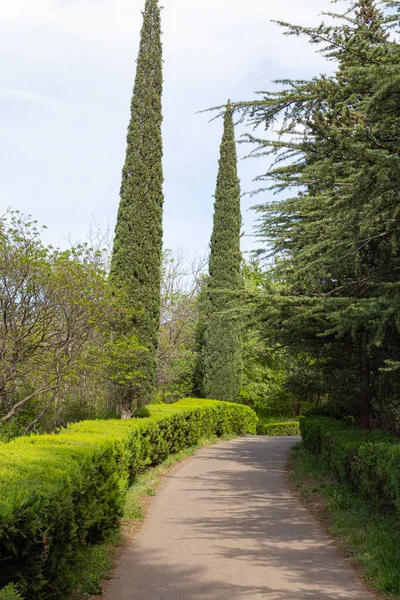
(137, 253)
(222, 345)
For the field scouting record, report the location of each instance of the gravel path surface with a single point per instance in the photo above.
(224, 526)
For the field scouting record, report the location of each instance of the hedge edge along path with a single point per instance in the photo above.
(368, 460)
(58, 492)
(285, 428)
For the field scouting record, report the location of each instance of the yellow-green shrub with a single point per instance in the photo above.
(286, 428)
(60, 491)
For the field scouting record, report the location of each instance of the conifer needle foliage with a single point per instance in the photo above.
(222, 349)
(137, 253)
(336, 239)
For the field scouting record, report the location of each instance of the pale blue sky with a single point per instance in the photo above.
(67, 75)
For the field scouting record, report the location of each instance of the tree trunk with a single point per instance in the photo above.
(126, 412)
(365, 405)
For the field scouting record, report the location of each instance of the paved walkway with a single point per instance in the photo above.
(224, 526)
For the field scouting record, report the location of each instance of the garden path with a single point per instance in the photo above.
(225, 526)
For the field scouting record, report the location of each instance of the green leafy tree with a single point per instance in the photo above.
(59, 358)
(222, 340)
(137, 253)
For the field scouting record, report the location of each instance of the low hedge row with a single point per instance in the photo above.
(286, 428)
(58, 492)
(369, 460)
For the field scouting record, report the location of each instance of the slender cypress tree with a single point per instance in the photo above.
(222, 345)
(137, 253)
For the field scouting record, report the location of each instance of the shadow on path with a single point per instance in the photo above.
(224, 526)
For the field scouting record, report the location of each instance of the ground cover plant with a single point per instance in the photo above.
(61, 492)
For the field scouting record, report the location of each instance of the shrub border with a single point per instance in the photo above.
(58, 492)
(368, 460)
(285, 428)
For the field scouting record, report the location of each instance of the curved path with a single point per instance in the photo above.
(224, 526)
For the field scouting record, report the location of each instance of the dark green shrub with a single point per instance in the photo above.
(314, 429)
(10, 593)
(369, 460)
(325, 410)
(58, 492)
(287, 428)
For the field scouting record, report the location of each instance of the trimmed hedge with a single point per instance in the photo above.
(286, 428)
(58, 492)
(369, 460)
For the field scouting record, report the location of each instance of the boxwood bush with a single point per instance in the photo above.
(286, 428)
(58, 492)
(369, 460)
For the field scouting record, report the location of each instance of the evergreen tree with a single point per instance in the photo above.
(222, 342)
(336, 242)
(137, 253)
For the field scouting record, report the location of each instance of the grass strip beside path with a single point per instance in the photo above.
(369, 535)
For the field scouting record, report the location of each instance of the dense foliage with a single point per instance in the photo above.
(268, 369)
(58, 492)
(369, 460)
(137, 253)
(59, 360)
(276, 428)
(332, 298)
(318, 325)
(368, 535)
(221, 346)
(88, 336)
